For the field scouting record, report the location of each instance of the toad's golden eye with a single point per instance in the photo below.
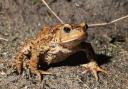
(66, 29)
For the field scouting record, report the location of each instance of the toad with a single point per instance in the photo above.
(54, 44)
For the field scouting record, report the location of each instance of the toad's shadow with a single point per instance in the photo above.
(80, 58)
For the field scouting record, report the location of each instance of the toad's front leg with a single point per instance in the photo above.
(19, 62)
(92, 65)
(34, 65)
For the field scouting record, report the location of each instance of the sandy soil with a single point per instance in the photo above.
(23, 19)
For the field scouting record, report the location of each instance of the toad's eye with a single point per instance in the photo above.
(66, 29)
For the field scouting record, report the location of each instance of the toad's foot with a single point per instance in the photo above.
(92, 66)
(39, 73)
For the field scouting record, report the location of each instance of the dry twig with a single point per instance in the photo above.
(108, 23)
(3, 39)
(53, 12)
(89, 25)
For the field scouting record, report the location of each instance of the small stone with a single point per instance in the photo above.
(3, 73)
(26, 87)
(77, 5)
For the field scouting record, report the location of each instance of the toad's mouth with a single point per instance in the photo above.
(80, 38)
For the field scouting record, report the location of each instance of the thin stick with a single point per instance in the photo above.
(3, 39)
(89, 25)
(108, 23)
(52, 12)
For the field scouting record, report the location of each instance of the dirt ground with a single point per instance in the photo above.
(23, 19)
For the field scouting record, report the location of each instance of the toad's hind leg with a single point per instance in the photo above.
(23, 54)
(34, 66)
(92, 65)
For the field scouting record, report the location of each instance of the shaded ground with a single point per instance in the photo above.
(22, 19)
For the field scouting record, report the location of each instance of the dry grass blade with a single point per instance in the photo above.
(89, 25)
(3, 39)
(104, 24)
(53, 12)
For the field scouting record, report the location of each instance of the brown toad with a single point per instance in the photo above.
(54, 44)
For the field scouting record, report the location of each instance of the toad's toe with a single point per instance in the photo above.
(92, 66)
(39, 73)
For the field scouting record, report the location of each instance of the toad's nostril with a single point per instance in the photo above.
(86, 26)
